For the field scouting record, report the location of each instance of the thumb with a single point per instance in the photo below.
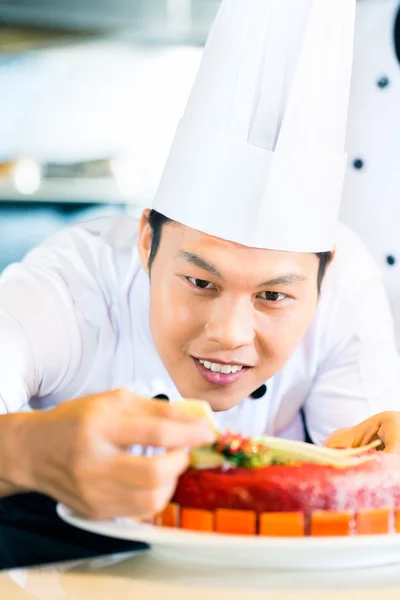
(378, 427)
(389, 432)
(341, 438)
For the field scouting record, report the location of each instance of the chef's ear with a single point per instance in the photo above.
(145, 239)
(331, 260)
(333, 254)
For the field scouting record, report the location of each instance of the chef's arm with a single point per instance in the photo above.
(21, 377)
(17, 383)
(76, 452)
(39, 345)
(10, 490)
(11, 452)
(40, 335)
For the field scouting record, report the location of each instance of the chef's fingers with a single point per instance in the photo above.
(341, 438)
(185, 410)
(158, 432)
(118, 502)
(389, 431)
(354, 437)
(384, 426)
(142, 504)
(142, 472)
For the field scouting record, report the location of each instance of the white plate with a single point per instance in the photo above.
(249, 551)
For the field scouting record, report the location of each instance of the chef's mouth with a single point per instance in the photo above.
(220, 374)
(221, 367)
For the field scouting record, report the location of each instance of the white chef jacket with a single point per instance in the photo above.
(74, 321)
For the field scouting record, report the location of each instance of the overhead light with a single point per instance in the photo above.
(27, 176)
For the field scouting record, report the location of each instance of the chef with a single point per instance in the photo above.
(238, 287)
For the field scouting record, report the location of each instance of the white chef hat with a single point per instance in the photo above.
(258, 157)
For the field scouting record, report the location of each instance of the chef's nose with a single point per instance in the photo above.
(231, 323)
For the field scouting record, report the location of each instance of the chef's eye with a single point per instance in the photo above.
(273, 296)
(201, 283)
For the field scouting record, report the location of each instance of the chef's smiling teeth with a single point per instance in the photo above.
(217, 368)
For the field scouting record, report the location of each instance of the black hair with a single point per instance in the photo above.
(157, 220)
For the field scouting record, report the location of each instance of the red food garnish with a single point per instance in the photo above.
(291, 488)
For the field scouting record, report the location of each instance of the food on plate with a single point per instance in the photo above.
(273, 487)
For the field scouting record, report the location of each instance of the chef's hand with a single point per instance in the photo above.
(384, 426)
(77, 453)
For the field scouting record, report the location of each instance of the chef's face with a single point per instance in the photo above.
(224, 317)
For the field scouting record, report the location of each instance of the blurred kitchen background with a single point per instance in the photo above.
(91, 92)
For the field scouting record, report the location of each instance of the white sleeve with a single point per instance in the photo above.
(360, 375)
(43, 325)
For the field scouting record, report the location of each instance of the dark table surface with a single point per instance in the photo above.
(31, 534)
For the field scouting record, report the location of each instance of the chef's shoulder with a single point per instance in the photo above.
(100, 248)
(353, 312)
(118, 233)
(353, 268)
(353, 305)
